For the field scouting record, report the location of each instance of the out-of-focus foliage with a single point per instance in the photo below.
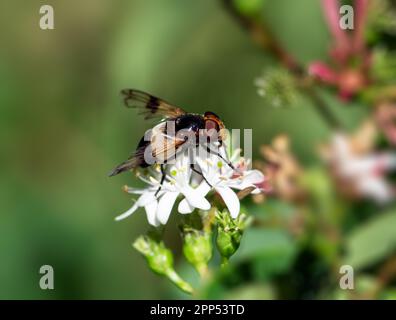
(373, 241)
(63, 128)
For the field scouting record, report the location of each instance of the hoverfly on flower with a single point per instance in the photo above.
(168, 153)
(178, 130)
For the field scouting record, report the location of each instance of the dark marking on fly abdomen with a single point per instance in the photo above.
(190, 122)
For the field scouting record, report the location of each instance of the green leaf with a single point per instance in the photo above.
(270, 210)
(271, 251)
(388, 294)
(372, 241)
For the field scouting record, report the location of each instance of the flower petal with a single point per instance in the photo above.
(253, 177)
(185, 207)
(151, 213)
(196, 198)
(230, 199)
(375, 188)
(127, 213)
(165, 206)
(322, 72)
(146, 198)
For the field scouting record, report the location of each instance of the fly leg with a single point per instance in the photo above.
(162, 178)
(200, 173)
(221, 157)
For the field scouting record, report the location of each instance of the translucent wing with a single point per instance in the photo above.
(165, 147)
(149, 105)
(134, 161)
(161, 146)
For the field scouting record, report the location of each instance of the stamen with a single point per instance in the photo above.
(153, 180)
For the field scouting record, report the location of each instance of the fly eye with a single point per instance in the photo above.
(210, 114)
(211, 125)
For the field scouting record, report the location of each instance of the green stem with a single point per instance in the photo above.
(261, 34)
(322, 108)
(224, 261)
(203, 271)
(179, 282)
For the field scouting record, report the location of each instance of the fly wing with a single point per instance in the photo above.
(157, 145)
(165, 147)
(149, 105)
(134, 161)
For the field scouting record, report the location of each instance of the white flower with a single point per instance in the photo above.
(220, 177)
(147, 199)
(159, 204)
(211, 173)
(243, 178)
(178, 182)
(365, 171)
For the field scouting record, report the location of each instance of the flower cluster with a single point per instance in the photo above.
(193, 184)
(281, 168)
(385, 116)
(359, 170)
(349, 56)
(278, 87)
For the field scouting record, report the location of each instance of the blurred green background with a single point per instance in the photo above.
(63, 127)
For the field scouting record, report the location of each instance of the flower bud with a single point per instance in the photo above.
(278, 88)
(197, 248)
(197, 241)
(228, 241)
(160, 260)
(229, 233)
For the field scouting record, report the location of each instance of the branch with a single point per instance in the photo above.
(261, 34)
